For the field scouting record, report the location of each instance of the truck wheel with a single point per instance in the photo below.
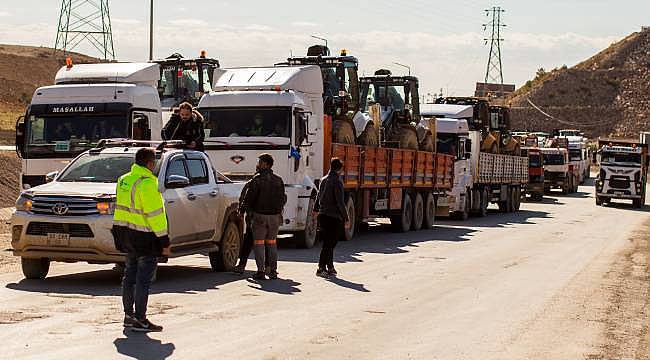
(637, 203)
(599, 201)
(429, 212)
(226, 257)
(418, 212)
(36, 269)
(517, 198)
(352, 214)
(504, 206)
(484, 203)
(307, 238)
(512, 198)
(403, 221)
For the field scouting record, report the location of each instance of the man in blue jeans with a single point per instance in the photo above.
(139, 230)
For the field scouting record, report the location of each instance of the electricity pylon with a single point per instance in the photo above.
(85, 21)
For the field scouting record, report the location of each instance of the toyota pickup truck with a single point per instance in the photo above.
(69, 218)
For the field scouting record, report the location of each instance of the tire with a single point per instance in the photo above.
(429, 212)
(369, 136)
(226, 257)
(406, 136)
(403, 221)
(482, 212)
(343, 132)
(306, 239)
(418, 212)
(511, 198)
(517, 198)
(599, 201)
(464, 214)
(637, 203)
(35, 269)
(504, 205)
(352, 214)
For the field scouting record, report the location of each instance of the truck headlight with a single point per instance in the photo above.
(24, 203)
(105, 207)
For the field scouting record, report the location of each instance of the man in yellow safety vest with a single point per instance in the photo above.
(140, 231)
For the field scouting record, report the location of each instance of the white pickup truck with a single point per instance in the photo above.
(69, 218)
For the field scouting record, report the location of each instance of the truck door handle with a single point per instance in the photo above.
(191, 196)
(214, 193)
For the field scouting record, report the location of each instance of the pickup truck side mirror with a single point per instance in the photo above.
(49, 177)
(177, 182)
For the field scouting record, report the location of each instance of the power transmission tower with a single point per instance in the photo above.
(85, 21)
(494, 73)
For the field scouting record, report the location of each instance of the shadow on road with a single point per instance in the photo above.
(626, 206)
(141, 346)
(499, 219)
(348, 284)
(171, 279)
(278, 286)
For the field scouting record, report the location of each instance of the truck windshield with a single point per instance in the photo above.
(270, 122)
(382, 93)
(71, 134)
(575, 154)
(102, 168)
(183, 83)
(553, 159)
(620, 157)
(534, 160)
(447, 144)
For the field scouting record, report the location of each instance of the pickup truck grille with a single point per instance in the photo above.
(39, 228)
(619, 183)
(72, 206)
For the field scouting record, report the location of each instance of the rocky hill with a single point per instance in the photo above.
(22, 70)
(606, 95)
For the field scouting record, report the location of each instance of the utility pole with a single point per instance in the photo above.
(404, 66)
(494, 72)
(151, 31)
(85, 21)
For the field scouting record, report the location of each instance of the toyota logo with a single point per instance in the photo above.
(60, 209)
(237, 159)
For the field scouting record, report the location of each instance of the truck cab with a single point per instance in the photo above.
(558, 171)
(88, 102)
(535, 186)
(69, 219)
(623, 171)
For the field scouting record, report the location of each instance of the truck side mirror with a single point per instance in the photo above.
(49, 177)
(141, 130)
(20, 136)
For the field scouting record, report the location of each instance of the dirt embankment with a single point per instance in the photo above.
(9, 172)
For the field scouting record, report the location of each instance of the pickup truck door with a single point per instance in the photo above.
(179, 203)
(204, 213)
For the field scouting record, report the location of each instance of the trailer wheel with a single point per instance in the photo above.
(484, 203)
(418, 212)
(352, 214)
(403, 221)
(36, 269)
(429, 212)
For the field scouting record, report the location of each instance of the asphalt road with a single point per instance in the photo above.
(508, 286)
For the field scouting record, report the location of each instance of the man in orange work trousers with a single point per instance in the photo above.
(265, 197)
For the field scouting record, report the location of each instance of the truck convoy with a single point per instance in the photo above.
(559, 172)
(87, 102)
(623, 171)
(480, 178)
(69, 219)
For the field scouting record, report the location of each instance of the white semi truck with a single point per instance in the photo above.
(623, 171)
(480, 178)
(87, 103)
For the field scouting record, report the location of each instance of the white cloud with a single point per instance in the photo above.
(188, 22)
(258, 27)
(119, 21)
(4, 13)
(304, 24)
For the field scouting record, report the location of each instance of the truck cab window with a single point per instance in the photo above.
(176, 167)
(301, 128)
(198, 171)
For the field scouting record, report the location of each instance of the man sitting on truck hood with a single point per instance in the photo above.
(186, 124)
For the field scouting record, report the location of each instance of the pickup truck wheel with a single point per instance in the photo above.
(403, 221)
(307, 238)
(429, 212)
(418, 212)
(352, 214)
(226, 257)
(35, 269)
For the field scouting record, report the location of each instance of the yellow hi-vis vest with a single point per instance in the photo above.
(139, 204)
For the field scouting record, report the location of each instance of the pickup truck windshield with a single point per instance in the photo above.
(553, 159)
(270, 122)
(620, 157)
(71, 134)
(103, 168)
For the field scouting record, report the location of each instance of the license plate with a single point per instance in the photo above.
(58, 239)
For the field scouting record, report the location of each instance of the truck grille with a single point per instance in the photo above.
(619, 183)
(64, 206)
(39, 228)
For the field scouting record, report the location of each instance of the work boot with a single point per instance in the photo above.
(239, 269)
(145, 326)
(259, 275)
(322, 273)
(331, 271)
(129, 321)
(273, 275)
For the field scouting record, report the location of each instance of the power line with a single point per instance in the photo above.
(85, 21)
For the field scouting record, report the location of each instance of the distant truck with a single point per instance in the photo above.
(480, 178)
(623, 171)
(69, 219)
(559, 172)
(87, 102)
(535, 186)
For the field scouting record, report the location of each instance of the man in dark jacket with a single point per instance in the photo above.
(265, 197)
(332, 216)
(247, 245)
(185, 124)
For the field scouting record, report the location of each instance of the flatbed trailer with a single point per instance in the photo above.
(399, 184)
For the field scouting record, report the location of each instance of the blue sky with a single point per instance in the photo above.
(441, 40)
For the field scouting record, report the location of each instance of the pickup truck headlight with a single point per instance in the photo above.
(105, 207)
(24, 203)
